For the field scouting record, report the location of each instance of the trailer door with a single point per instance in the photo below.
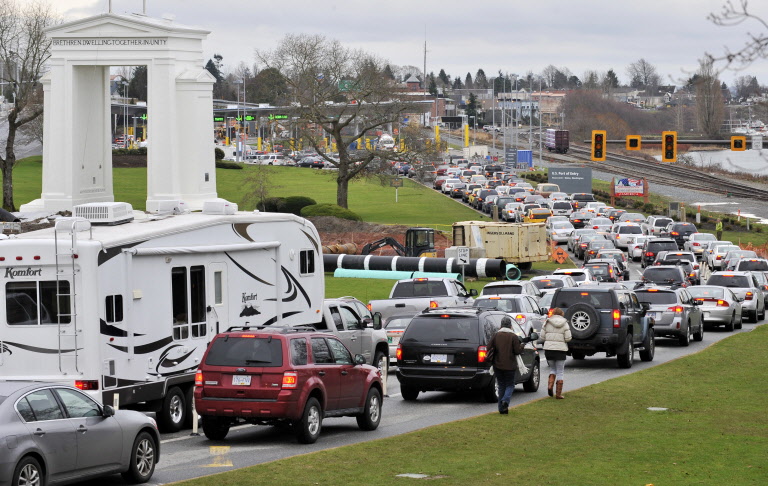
(218, 318)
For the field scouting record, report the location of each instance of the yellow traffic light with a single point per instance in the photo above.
(598, 145)
(669, 146)
(634, 142)
(738, 143)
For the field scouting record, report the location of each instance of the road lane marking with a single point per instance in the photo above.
(220, 458)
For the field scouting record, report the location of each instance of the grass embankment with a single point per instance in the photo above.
(715, 431)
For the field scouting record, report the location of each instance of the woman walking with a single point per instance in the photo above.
(555, 335)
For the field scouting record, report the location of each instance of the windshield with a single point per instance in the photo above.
(652, 297)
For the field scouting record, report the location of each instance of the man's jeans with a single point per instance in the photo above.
(506, 381)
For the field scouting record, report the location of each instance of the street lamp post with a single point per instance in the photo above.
(125, 113)
(237, 133)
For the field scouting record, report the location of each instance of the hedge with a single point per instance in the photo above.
(329, 210)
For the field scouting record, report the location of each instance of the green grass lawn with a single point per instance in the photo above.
(714, 431)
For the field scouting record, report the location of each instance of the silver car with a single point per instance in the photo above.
(55, 433)
(745, 286)
(719, 306)
(573, 240)
(732, 257)
(696, 243)
(523, 308)
(675, 312)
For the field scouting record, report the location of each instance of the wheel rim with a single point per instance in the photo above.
(145, 457)
(374, 409)
(580, 320)
(176, 410)
(652, 345)
(536, 375)
(382, 363)
(313, 421)
(631, 351)
(29, 476)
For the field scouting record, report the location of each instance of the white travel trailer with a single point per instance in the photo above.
(125, 311)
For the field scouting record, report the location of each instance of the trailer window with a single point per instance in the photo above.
(188, 298)
(197, 300)
(217, 293)
(306, 262)
(179, 300)
(114, 308)
(35, 303)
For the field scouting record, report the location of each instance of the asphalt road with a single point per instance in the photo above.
(184, 456)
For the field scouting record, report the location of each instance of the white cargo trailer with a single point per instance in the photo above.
(125, 311)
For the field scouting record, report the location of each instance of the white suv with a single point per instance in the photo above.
(620, 232)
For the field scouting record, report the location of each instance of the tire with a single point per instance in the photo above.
(371, 416)
(626, 358)
(739, 325)
(583, 319)
(491, 392)
(699, 336)
(753, 316)
(215, 428)
(409, 394)
(729, 327)
(578, 355)
(761, 316)
(311, 423)
(685, 339)
(143, 459)
(28, 471)
(649, 347)
(173, 413)
(532, 383)
(380, 360)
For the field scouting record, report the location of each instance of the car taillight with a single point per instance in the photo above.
(676, 309)
(549, 312)
(695, 267)
(199, 378)
(433, 304)
(649, 253)
(674, 233)
(616, 318)
(482, 353)
(399, 353)
(696, 244)
(87, 384)
(583, 245)
(520, 318)
(595, 227)
(369, 308)
(722, 303)
(577, 221)
(290, 380)
(719, 257)
(749, 296)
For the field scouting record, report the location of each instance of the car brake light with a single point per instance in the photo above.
(749, 296)
(595, 227)
(649, 253)
(678, 309)
(616, 318)
(433, 304)
(696, 244)
(520, 318)
(290, 380)
(199, 378)
(369, 308)
(87, 384)
(722, 303)
(399, 353)
(482, 353)
(719, 257)
(674, 233)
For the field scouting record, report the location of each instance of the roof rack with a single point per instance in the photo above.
(282, 329)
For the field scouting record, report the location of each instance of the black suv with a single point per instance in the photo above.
(680, 232)
(445, 349)
(609, 320)
(667, 275)
(653, 246)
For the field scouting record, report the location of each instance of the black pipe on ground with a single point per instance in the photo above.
(478, 267)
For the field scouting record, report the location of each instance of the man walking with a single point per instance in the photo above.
(505, 346)
(719, 229)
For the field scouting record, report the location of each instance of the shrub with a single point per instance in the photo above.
(218, 153)
(224, 164)
(272, 205)
(329, 210)
(130, 151)
(294, 204)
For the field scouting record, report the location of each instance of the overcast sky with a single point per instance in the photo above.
(508, 35)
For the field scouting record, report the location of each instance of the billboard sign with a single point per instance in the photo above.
(571, 179)
(629, 187)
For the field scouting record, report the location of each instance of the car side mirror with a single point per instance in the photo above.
(473, 292)
(376, 321)
(534, 335)
(359, 359)
(645, 305)
(108, 411)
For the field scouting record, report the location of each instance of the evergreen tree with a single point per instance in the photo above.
(481, 81)
(388, 72)
(468, 83)
(444, 78)
(457, 83)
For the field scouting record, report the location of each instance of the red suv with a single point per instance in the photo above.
(290, 376)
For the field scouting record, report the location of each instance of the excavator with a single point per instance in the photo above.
(418, 242)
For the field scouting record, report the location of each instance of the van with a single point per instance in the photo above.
(546, 188)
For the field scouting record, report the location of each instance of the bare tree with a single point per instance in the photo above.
(341, 94)
(756, 45)
(643, 74)
(709, 99)
(24, 49)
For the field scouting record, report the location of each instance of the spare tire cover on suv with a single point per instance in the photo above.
(583, 319)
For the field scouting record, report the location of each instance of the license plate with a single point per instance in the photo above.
(686, 237)
(242, 380)
(439, 358)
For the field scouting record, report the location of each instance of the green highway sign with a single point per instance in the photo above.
(278, 117)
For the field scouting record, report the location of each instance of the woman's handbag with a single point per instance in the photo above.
(521, 368)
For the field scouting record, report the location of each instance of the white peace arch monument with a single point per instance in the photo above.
(77, 148)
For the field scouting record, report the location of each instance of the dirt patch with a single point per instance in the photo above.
(335, 231)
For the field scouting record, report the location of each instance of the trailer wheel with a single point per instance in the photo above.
(173, 413)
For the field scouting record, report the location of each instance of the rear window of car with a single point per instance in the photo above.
(753, 265)
(546, 283)
(684, 227)
(657, 297)
(245, 351)
(662, 245)
(597, 270)
(503, 289)
(505, 305)
(661, 222)
(661, 274)
(577, 276)
(561, 205)
(599, 300)
(439, 329)
(630, 230)
(398, 322)
(735, 281)
(420, 289)
(711, 293)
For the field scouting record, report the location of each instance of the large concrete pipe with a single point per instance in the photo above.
(478, 267)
